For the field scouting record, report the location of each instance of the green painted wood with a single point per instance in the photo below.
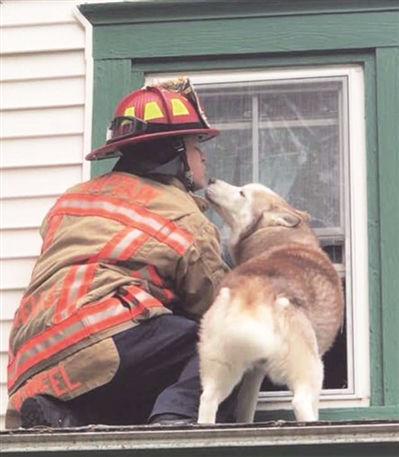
(112, 80)
(219, 63)
(388, 151)
(182, 10)
(373, 227)
(336, 414)
(247, 36)
(321, 450)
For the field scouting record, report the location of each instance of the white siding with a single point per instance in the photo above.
(46, 85)
(41, 66)
(42, 37)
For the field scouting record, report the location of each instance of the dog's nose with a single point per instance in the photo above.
(212, 181)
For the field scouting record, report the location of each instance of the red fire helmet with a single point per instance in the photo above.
(169, 109)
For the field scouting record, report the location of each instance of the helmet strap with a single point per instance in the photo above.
(188, 174)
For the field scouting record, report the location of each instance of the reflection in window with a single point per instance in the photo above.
(287, 136)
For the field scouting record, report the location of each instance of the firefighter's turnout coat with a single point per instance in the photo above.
(117, 249)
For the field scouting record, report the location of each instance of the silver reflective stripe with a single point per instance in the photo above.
(165, 231)
(124, 243)
(74, 288)
(111, 311)
(130, 213)
(48, 342)
(179, 239)
(73, 291)
(142, 295)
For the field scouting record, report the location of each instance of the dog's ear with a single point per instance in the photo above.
(251, 228)
(286, 219)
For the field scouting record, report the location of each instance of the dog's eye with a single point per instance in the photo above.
(242, 194)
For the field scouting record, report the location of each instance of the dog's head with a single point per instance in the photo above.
(253, 206)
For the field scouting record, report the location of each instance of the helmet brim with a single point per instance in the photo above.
(110, 150)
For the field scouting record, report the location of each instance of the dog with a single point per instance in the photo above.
(276, 313)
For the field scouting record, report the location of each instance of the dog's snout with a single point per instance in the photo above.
(212, 181)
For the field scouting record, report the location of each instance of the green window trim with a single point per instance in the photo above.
(132, 39)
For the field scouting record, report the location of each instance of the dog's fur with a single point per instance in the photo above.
(276, 313)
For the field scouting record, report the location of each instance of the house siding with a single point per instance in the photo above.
(46, 90)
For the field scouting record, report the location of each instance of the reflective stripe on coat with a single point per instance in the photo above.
(116, 250)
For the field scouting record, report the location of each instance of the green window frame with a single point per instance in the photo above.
(135, 39)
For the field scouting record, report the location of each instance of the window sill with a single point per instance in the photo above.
(276, 434)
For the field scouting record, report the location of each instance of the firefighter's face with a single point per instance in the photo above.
(196, 160)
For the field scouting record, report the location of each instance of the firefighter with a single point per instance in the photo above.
(106, 331)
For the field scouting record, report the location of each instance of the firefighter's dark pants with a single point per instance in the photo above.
(158, 374)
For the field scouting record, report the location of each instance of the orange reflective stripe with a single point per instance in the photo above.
(150, 273)
(87, 279)
(32, 305)
(76, 284)
(26, 308)
(128, 214)
(54, 381)
(153, 274)
(139, 297)
(45, 345)
(53, 225)
(176, 238)
(123, 245)
(68, 284)
(146, 194)
(156, 279)
(122, 186)
(88, 320)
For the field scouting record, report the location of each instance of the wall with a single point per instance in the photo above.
(46, 91)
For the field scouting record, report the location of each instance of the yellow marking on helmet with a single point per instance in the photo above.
(152, 111)
(129, 111)
(178, 107)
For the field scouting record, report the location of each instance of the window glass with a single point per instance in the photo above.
(286, 136)
(290, 136)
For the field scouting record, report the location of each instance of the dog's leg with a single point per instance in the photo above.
(248, 395)
(319, 374)
(209, 404)
(218, 381)
(304, 369)
(307, 390)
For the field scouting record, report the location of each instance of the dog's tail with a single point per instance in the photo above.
(282, 301)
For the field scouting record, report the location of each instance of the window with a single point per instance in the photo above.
(301, 132)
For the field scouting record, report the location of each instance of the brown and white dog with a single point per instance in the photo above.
(276, 313)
